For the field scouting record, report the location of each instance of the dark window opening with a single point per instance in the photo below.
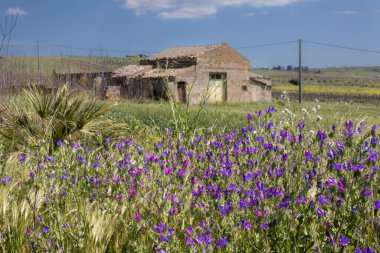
(159, 90)
(244, 87)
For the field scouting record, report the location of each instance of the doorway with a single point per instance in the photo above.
(181, 92)
(217, 87)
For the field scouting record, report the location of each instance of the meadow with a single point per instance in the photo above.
(354, 80)
(259, 177)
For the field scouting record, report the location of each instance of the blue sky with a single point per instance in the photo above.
(145, 26)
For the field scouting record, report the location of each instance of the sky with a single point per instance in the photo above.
(128, 27)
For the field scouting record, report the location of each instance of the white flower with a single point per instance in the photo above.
(319, 118)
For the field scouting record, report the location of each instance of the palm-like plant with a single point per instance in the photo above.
(42, 119)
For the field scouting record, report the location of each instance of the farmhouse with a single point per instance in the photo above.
(216, 72)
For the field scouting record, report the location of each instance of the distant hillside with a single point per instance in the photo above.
(349, 80)
(28, 65)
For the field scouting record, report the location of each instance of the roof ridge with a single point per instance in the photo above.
(184, 51)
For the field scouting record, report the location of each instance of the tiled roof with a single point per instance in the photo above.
(155, 73)
(182, 52)
(263, 79)
(146, 71)
(131, 70)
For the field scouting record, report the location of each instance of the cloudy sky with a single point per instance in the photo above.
(146, 26)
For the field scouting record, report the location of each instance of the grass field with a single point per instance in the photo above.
(358, 80)
(355, 80)
(64, 64)
(232, 116)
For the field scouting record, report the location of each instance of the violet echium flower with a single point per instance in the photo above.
(376, 204)
(349, 124)
(249, 117)
(366, 193)
(270, 110)
(222, 242)
(258, 113)
(331, 239)
(308, 155)
(75, 146)
(46, 229)
(343, 241)
(61, 143)
(22, 158)
(159, 228)
(301, 125)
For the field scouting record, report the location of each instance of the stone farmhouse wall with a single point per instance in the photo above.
(220, 60)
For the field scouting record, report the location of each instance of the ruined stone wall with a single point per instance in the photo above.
(259, 92)
(136, 89)
(112, 93)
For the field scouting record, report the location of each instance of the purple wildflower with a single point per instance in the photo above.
(61, 143)
(159, 228)
(270, 110)
(258, 113)
(320, 213)
(22, 158)
(75, 146)
(322, 200)
(343, 241)
(222, 242)
(366, 193)
(81, 159)
(119, 197)
(376, 204)
(308, 155)
(137, 217)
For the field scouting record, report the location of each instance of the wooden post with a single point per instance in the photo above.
(38, 62)
(300, 71)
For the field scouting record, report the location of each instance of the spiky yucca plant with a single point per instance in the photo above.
(40, 120)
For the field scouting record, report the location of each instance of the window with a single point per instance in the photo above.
(218, 76)
(244, 88)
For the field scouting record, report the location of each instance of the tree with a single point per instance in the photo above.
(6, 30)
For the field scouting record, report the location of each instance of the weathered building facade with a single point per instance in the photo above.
(217, 73)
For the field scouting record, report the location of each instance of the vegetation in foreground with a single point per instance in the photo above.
(279, 183)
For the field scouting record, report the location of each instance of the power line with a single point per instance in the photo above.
(152, 52)
(342, 47)
(78, 48)
(269, 44)
(98, 50)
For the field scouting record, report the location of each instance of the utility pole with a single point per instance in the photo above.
(300, 71)
(38, 62)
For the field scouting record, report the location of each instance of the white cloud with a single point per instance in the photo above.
(346, 12)
(16, 11)
(195, 9)
(189, 13)
(248, 14)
